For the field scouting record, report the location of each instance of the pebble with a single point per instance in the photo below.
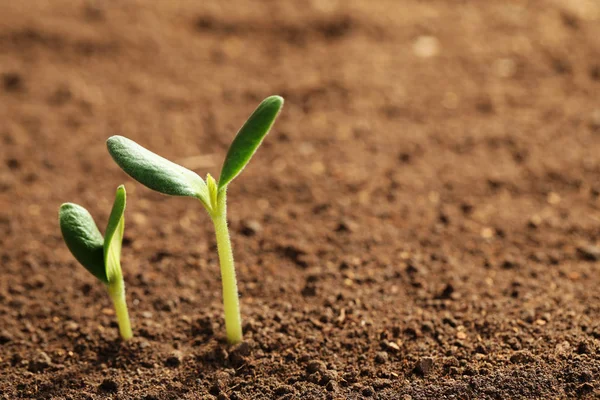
(553, 198)
(424, 366)
(147, 314)
(589, 252)
(426, 46)
(72, 326)
(381, 357)
(250, 227)
(316, 366)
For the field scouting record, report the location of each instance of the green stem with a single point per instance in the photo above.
(116, 291)
(233, 320)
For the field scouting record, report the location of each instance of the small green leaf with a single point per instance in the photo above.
(113, 238)
(249, 138)
(154, 171)
(83, 238)
(212, 191)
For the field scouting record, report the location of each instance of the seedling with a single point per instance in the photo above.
(169, 178)
(101, 256)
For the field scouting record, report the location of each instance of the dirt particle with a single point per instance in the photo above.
(446, 294)
(534, 222)
(521, 357)
(13, 163)
(392, 346)
(331, 386)
(250, 227)
(561, 66)
(595, 72)
(426, 46)
(346, 225)
(174, 360)
(381, 357)
(368, 391)
(93, 13)
(239, 352)
(589, 252)
(583, 348)
(335, 28)
(283, 390)
(594, 121)
(553, 198)
(424, 366)
(71, 326)
(510, 263)
(327, 376)
(404, 157)
(481, 349)
(316, 366)
(467, 208)
(109, 386)
(505, 67)
(60, 97)
(450, 321)
(5, 337)
(12, 82)
(563, 347)
(309, 290)
(40, 362)
(484, 105)
(585, 389)
(528, 315)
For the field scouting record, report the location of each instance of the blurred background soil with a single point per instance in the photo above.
(422, 222)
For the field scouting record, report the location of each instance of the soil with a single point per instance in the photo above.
(422, 222)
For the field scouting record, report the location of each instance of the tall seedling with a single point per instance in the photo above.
(169, 178)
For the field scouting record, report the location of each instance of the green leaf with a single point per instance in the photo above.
(154, 171)
(249, 138)
(83, 238)
(113, 238)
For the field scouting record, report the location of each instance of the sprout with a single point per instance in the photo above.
(169, 178)
(100, 256)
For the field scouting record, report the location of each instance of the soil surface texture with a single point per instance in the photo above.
(423, 222)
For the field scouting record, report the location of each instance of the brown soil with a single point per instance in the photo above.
(423, 222)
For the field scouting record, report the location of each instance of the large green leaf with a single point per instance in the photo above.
(154, 171)
(83, 238)
(113, 237)
(249, 138)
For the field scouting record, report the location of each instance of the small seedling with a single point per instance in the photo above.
(166, 177)
(100, 256)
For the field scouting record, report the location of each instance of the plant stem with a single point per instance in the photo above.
(233, 320)
(116, 290)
